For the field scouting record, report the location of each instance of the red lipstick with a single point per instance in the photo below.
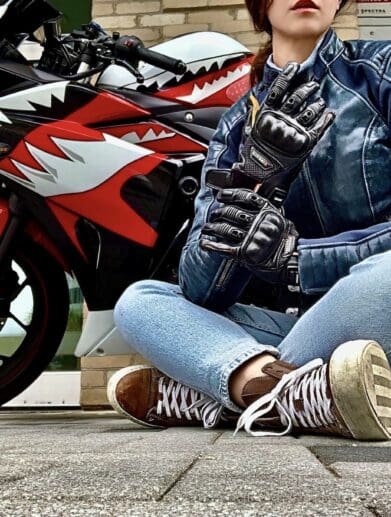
(305, 4)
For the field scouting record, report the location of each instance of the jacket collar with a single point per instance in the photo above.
(330, 48)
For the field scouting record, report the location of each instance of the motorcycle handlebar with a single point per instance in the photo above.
(160, 60)
(130, 47)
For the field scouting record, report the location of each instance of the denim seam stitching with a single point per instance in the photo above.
(363, 170)
(307, 180)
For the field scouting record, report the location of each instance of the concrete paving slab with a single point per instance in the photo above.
(227, 437)
(177, 439)
(312, 439)
(65, 443)
(372, 454)
(180, 508)
(258, 472)
(381, 510)
(364, 470)
(143, 475)
(16, 468)
(22, 422)
(373, 492)
(97, 464)
(258, 459)
(275, 489)
(53, 415)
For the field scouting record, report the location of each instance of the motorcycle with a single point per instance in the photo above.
(102, 142)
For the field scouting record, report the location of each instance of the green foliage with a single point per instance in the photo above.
(75, 12)
(75, 318)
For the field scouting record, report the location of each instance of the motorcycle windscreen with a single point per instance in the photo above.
(17, 16)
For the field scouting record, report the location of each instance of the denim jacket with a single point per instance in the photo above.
(340, 202)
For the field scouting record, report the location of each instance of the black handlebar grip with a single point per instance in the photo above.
(160, 60)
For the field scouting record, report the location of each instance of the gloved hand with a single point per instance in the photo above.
(282, 131)
(251, 230)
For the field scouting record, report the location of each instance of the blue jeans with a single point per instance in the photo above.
(201, 348)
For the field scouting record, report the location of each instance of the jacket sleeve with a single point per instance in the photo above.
(206, 278)
(324, 261)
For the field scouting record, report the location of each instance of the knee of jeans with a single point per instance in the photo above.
(141, 298)
(370, 280)
(378, 266)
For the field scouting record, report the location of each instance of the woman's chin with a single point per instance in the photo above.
(307, 30)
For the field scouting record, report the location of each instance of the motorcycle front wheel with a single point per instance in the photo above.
(29, 338)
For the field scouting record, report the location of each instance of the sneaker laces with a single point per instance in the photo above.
(175, 400)
(307, 383)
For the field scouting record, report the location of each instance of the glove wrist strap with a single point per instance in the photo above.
(292, 272)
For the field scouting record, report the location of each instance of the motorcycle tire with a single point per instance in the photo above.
(48, 320)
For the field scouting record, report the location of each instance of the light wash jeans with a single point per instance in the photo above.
(201, 348)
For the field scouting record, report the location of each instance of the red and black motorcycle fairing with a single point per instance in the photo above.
(98, 176)
(99, 173)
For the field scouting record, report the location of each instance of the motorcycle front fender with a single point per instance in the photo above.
(100, 337)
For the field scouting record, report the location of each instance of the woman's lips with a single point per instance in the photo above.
(304, 5)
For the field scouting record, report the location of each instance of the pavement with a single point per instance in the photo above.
(95, 463)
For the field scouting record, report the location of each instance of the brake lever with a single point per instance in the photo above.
(139, 76)
(121, 62)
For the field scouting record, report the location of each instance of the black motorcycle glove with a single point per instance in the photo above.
(282, 132)
(248, 228)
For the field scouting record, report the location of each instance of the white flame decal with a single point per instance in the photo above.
(41, 95)
(150, 136)
(88, 165)
(198, 94)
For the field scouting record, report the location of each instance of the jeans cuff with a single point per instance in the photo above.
(233, 365)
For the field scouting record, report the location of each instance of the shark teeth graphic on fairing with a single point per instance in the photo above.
(208, 89)
(88, 165)
(4, 118)
(163, 78)
(150, 136)
(39, 95)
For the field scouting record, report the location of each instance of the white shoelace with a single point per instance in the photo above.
(175, 398)
(308, 383)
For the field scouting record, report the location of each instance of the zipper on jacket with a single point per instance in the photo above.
(224, 273)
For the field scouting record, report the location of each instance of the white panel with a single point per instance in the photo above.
(30, 50)
(373, 9)
(49, 390)
(375, 33)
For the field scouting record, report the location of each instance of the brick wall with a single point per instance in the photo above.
(157, 20)
(154, 21)
(96, 372)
